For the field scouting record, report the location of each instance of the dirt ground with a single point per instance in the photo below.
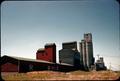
(52, 75)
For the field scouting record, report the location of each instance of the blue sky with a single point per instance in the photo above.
(28, 25)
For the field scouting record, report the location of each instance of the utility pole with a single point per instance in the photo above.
(110, 70)
(119, 67)
(110, 66)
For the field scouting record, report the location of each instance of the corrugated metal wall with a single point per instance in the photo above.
(66, 56)
(9, 67)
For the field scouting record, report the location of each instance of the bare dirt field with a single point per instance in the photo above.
(52, 75)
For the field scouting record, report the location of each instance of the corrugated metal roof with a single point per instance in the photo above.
(69, 42)
(34, 60)
(28, 59)
(49, 44)
(41, 49)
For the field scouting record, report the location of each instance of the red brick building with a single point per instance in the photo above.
(48, 53)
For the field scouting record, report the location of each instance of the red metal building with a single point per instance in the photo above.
(48, 53)
(6, 67)
(20, 64)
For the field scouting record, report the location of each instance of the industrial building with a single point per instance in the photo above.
(48, 53)
(69, 54)
(20, 64)
(45, 60)
(70, 45)
(99, 65)
(69, 58)
(86, 50)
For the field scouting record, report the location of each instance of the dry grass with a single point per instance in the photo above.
(51, 75)
(14, 76)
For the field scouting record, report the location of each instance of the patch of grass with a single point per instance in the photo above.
(40, 76)
(51, 75)
(118, 73)
(14, 76)
(79, 72)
